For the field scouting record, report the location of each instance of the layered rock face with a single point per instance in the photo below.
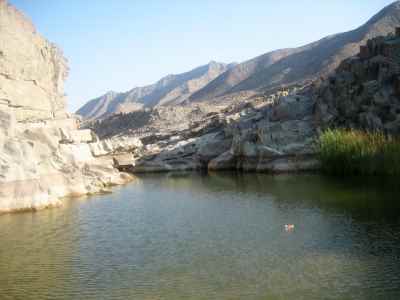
(43, 154)
(32, 70)
(275, 138)
(365, 90)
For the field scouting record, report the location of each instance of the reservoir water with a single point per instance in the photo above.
(210, 237)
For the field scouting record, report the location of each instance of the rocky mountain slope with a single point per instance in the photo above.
(170, 90)
(288, 66)
(44, 156)
(265, 73)
(273, 132)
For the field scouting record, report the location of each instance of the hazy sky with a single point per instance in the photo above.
(120, 44)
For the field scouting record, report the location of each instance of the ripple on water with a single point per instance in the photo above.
(209, 237)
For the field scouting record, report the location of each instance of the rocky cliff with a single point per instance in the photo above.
(43, 154)
(32, 70)
(364, 92)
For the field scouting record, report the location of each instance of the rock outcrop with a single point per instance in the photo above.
(32, 70)
(258, 135)
(43, 154)
(276, 138)
(365, 90)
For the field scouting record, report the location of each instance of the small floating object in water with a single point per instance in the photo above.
(289, 227)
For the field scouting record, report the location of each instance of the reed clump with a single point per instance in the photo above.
(355, 152)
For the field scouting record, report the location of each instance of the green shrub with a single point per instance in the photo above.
(354, 152)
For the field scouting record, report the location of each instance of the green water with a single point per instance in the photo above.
(210, 237)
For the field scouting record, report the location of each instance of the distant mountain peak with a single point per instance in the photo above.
(171, 89)
(110, 93)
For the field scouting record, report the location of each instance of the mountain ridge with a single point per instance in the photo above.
(268, 71)
(310, 61)
(171, 89)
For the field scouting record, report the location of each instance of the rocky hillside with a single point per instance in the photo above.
(44, 156)
(170, 90)
(364, 92)
(231, 78)
(221, 83)
(274, 132)
(155, 121)
(288, 66)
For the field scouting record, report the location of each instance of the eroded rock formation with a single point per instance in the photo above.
(43, 154)
(365, 90)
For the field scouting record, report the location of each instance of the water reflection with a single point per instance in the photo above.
(210, 237)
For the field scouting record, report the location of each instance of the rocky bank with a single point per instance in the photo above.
(44, 156)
